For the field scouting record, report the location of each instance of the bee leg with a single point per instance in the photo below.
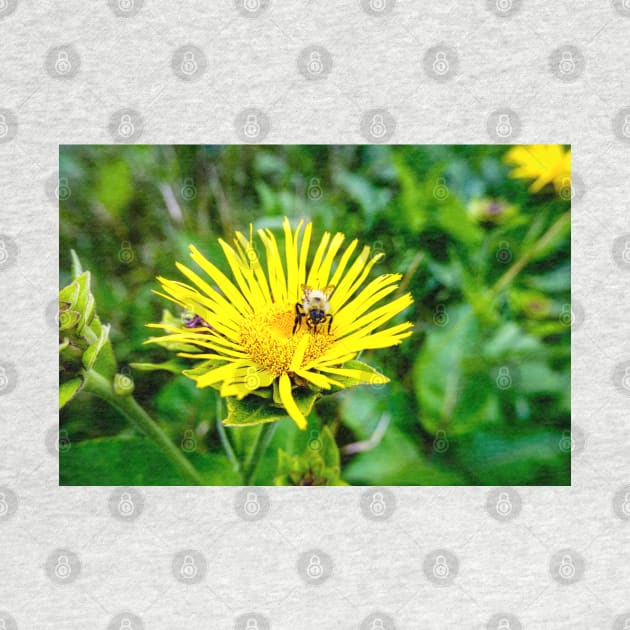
(299, 313)
(330, 320)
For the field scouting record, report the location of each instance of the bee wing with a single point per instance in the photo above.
(307, 290)
(328, 291)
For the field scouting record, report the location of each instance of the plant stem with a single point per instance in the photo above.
(225, 440)
(531, 251)
(127, 405)
(263, 437)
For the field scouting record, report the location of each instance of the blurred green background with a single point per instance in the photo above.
(479, 395)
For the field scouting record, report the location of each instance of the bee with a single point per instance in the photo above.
(314, 307)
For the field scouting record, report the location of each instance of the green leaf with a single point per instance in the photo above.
(505, 457)
(68, 390)
(174, 366)
(134, 461)
(92, 352)
(396, 461)
(69, 294)
(68, 319)
(105, 363)
(348, 381)
(454, 389)
(253, 410)
(317, 465)
(77, 268)
(114, 187)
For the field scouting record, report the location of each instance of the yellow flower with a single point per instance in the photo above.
(544, 163)
(245, 325)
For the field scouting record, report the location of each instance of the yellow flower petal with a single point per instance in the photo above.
(254, 330)
(289, 403)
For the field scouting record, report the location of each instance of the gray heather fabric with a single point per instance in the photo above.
(288, 72)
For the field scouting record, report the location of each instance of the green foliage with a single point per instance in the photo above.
(480, 394)
(317, 465)
(134, 461)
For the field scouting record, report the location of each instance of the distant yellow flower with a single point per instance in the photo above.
(246, 325)
(544, 163)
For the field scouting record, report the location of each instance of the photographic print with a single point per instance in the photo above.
(315, 315)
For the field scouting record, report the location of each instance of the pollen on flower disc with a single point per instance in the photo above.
(267, 338)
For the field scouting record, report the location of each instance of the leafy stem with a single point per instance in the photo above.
(127, 405)
(261, 442)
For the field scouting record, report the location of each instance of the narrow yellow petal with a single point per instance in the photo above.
(277, 282)
(215, 376)
(374, 318)
(343, 262)
(319, 380)
(291, 253)
(312, 279)
(222, 281)
(298, 355)
(326, 265)
(360, 375)
(306, 241)
(289, 403)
